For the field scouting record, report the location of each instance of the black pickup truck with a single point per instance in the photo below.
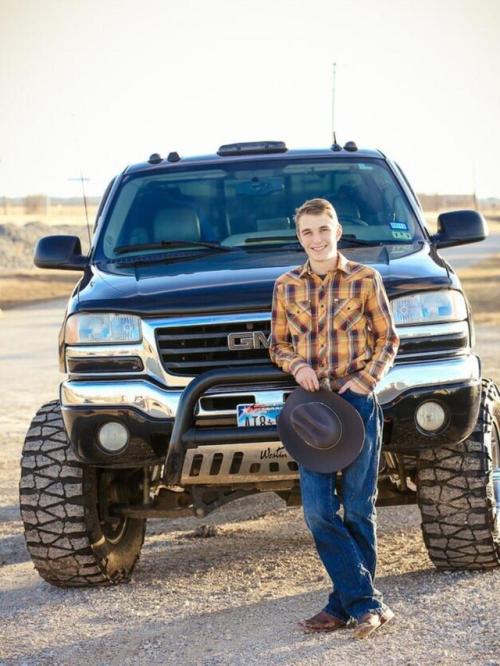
(170, 401)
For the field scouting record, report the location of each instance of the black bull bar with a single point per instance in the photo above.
(184, 433)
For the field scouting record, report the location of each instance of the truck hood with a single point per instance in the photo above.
(241, 281)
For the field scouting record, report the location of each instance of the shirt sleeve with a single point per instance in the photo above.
(281, 349)
(386, 340)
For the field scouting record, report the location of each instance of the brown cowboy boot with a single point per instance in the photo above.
(322, 621)
(370, 622)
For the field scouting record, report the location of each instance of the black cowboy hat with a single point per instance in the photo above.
(320, 430)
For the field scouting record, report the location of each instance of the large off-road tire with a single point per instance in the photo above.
(455, 492)
(61, 507)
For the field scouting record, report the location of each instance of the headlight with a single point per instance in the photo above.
(429, 307)
(102, 328)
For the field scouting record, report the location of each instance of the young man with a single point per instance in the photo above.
(332, 328)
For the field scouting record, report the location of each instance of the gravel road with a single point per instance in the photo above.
(232, 598)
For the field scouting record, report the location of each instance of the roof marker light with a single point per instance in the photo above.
(155, 158)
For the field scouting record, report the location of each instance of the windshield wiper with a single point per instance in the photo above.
(259, 245)
(353, 240)
(159, 257)
(260, 239)
(123, 249)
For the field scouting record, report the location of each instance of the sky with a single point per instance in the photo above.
(89, 86)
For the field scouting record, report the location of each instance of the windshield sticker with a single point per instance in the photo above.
(398, 225)
(401, 235)
(399, 249)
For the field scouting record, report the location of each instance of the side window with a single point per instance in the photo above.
(103, 202)
(402, 174)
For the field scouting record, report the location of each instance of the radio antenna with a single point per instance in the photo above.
(84, 196)
(81, 178)
(333, 102)
(335, 145)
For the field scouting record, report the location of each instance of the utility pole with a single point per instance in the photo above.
(81, 179)
(4, 199)
(474, 195)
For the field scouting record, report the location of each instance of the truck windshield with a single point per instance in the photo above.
(251, 205)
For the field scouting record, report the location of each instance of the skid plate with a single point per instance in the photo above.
(238, 463)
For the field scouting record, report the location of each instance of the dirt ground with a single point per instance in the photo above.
(230, 599)
(28, 286)
(235, 598)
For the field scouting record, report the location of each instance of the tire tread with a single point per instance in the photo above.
(454, 493)
(54, 507)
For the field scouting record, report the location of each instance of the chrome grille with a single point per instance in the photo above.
(188, 346)
(189, 351)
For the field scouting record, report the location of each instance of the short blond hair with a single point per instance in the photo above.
(315, 207)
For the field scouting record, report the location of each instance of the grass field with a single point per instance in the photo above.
(23, 287)
(54, 215)
(481, 284)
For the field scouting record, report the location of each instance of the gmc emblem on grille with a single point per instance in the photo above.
(250, 340)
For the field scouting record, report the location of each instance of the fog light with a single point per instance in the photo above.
(113, 437)
(430, 416)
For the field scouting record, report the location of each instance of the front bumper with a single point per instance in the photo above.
(149, 410)
(158, 402)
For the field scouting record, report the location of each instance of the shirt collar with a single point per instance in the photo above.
(342, 265)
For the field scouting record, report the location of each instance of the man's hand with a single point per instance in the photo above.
(306, 377)
(355, 387)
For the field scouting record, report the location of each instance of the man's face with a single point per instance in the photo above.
(318, 235)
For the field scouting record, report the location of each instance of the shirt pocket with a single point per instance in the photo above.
(347, 314)
(299, 316)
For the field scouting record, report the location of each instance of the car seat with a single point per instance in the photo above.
(176, 223)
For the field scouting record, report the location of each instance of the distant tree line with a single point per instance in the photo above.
(40, 203)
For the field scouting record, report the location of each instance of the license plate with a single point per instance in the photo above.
(258, 414)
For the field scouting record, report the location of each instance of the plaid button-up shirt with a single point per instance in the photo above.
(339, 324)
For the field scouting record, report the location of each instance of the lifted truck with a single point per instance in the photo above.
(165, 345)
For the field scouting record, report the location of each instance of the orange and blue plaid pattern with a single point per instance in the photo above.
(339, 324)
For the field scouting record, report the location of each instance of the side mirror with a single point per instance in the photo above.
(64, 252)
(460, 227)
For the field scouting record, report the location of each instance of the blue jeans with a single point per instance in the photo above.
(348, 547)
